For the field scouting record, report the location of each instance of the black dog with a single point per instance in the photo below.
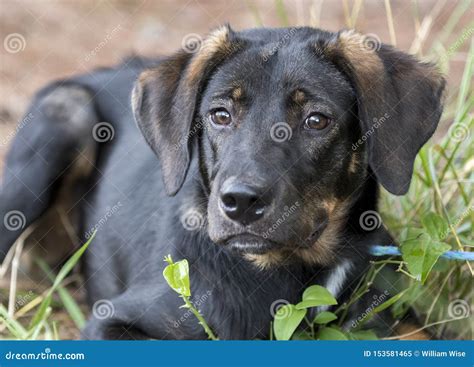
(270, 143)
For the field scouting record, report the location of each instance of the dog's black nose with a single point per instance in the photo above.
(242, 203)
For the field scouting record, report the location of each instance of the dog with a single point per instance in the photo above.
(254, 157)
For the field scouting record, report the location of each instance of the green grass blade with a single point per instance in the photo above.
(67, 267)
(68, 301)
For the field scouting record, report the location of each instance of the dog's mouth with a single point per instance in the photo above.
(250, 244)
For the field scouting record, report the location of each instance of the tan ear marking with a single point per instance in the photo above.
(217, 43)
(366, 63)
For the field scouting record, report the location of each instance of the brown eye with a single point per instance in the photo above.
(316, 121)
(221, 117)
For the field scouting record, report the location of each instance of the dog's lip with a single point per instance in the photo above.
(249, 243)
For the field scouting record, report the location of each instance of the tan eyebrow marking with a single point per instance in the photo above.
(237, 93)
(299, 97)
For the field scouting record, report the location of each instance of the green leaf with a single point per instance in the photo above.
(287, 319)
(316, 296)
(177, 276)
(324, 317)
(330, 333)
(302, 335)
(435, 225)
(363, 335)
(421, 253)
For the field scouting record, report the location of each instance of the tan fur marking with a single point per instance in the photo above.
(237, 93)
(354, 163)
(322, 252)
(366, 62)
(299, 97)
(367, 65)
(265, 261)
(218, 40)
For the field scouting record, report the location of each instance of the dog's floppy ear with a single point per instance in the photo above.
(399, 103)
(165, 98)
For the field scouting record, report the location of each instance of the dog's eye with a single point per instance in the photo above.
(221, 116)
(316, 121)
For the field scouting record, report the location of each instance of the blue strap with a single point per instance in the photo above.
(395, 251)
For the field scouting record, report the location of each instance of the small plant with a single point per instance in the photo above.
(177, 277)
(42, 303)
(289, 317)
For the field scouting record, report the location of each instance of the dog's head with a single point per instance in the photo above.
(289, 124)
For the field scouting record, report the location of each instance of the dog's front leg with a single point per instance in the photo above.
(141, 314)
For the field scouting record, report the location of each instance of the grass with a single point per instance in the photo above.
(441, 193)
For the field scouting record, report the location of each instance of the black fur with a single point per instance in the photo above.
(153, 196)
